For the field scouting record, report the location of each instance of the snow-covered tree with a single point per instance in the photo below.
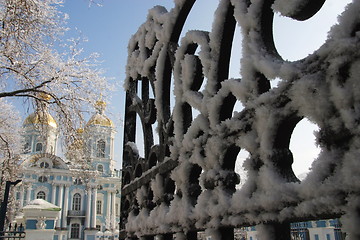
(44, 71)
(9, 142)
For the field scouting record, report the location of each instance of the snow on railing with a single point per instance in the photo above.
(186, 183)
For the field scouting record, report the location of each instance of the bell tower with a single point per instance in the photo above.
(40, 131)
(99, 135)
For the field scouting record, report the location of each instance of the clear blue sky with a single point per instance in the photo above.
(109, 28)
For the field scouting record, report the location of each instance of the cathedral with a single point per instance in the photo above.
(87, 191)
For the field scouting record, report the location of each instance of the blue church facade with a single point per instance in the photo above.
(329, 229)
(84, 184)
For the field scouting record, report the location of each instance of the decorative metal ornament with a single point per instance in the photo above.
(185, 181)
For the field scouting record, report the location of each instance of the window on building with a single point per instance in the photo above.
(43, 179)
(316, 237)
(98, 206)
(76, 206)
(321, 223)
(39, 147)
(41, 195)
(117, 209)
(77, 181)
(44, 165)
(75, 230)
(100, 149)
(100, 168)
(18, 195)
(98, 227)
(26, 147)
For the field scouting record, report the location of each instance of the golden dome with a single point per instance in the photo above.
(101, 120)
(79, 130)
(44, 96)
(100, 103)
(40, 118)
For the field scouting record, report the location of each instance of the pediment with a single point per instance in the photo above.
(45, 160)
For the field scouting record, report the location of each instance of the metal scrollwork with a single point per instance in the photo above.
(186, 182)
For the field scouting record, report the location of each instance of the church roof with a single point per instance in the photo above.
(100, 118)
(40, 118)
(40, 204)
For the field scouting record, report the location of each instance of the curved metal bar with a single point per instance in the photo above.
(187, 183)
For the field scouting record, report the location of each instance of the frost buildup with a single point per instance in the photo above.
(208, 135)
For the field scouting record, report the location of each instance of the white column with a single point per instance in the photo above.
(108, 205)
(60, 203)
(93, 220)
(88, 208)
(112, 148)
(113, 201)
(22, 196)
(53, 193)
(66, 204)
(28, 194)
(60, 234)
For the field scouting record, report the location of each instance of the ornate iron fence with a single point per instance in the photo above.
(13, 232)
(185, 181)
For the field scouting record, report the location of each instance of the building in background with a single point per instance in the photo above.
(329, 229)
(84, 184)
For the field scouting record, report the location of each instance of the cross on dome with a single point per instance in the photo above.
(100, 118)
(100, 106)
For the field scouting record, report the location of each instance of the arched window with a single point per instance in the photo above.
(117, 213)
(75, 231)
(100, 168)
(100, 149)
(98, 207)
(76, 206)
(39, 147)
(26, 147)
(43, 179)
(41, 195)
